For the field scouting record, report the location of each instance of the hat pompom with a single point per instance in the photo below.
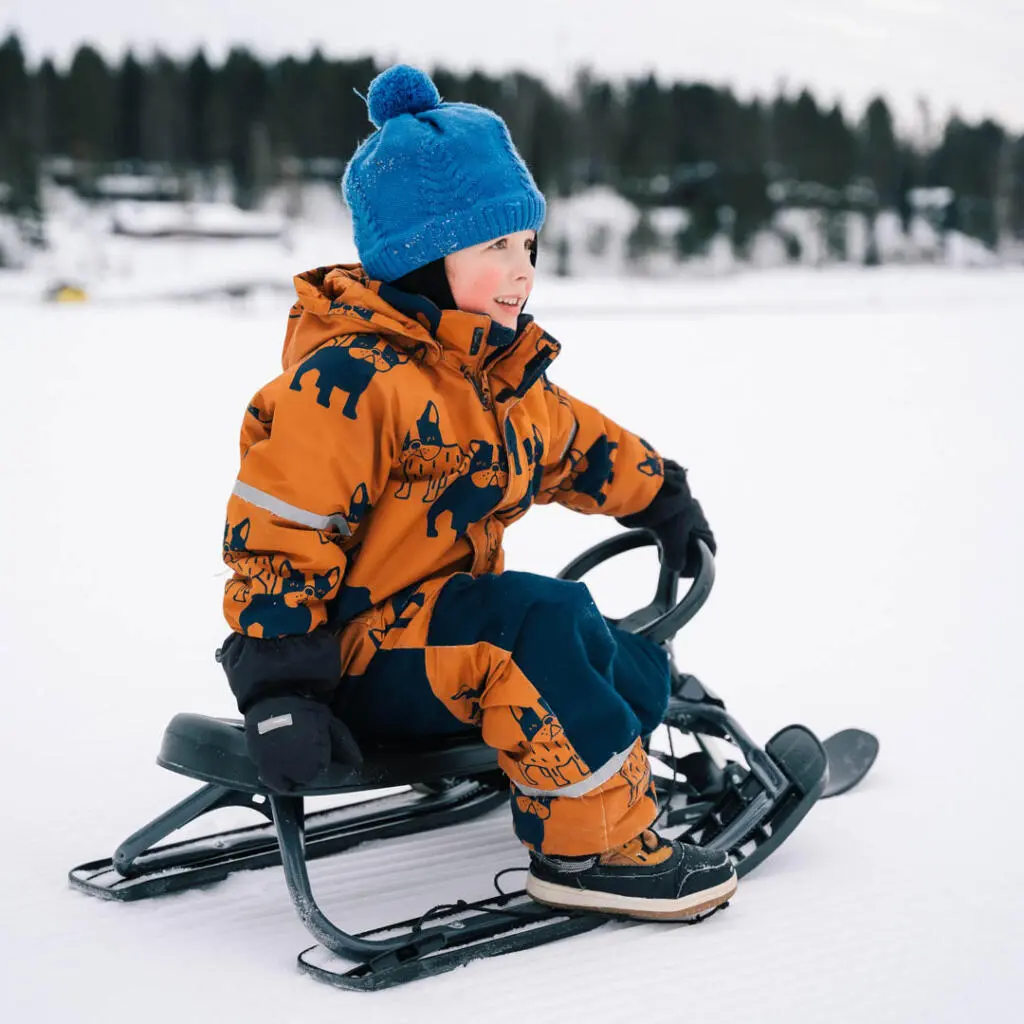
(400, 90)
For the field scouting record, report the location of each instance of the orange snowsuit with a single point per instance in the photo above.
(378, 474)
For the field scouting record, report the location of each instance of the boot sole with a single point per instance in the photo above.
(682, 909)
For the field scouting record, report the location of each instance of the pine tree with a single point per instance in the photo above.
(968, 162)
(244, 92)
(599, 117)
(349, 122)
(1015, 217)
(643, 152)
(880, 159)
(19, 142)
(92, 122)
(128, 91)
(198, 98)
(164, 129)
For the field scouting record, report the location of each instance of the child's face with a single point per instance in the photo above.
(483, 275)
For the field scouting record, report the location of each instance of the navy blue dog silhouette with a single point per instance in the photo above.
(259, 415)
(239, 535)
(529, 814)
(349, 367)
(529, 721)
(349, 602)
(337, 304)
(596, 470)
(395, 618)
(278, 618)
(651, 465)
(359, 507)
(472, 695)
(475, 493)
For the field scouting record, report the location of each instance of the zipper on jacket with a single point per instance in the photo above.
(503, 420)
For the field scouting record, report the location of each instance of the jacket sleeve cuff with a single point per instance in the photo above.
(308, 665)
(673, 496)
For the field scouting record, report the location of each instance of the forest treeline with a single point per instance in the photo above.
(730, 163)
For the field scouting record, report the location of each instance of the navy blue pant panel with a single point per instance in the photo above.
(605, 686)
(393, 700)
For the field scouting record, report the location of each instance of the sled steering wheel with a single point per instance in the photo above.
(665, 615)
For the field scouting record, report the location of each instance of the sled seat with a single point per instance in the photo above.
(214, 750)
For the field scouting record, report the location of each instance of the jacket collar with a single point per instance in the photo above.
(337, 299)
(473, 339)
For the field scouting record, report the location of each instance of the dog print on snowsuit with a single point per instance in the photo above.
(427, 457)
(473, 494)
(235, 536)
(375, 525)
(347, 367)
(592, 470)
(275, 615)
(530, 814)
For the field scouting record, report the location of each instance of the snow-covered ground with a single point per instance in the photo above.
(857, 440)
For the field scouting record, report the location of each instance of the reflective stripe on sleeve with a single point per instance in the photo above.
(290, 512)
(576, 789)
(572, 437)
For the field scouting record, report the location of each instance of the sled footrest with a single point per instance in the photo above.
(753, 819)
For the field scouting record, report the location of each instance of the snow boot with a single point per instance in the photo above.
(647, 877)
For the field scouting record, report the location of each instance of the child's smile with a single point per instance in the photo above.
(494, 278)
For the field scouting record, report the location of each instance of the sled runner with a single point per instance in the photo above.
(747, 806)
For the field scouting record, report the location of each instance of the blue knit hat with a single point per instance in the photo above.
(437, 177)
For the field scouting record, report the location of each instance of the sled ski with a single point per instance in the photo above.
(747, 809)
(515, 921)
(139, 869)
(851, 753)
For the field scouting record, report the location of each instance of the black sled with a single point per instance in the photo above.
(746, 806)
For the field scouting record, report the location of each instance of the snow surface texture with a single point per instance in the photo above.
(858, 442)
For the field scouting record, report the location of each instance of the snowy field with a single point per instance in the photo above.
(857, 440)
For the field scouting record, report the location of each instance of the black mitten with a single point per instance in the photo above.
(678, 520)
(292, 739)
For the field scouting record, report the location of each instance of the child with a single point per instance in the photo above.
(413, 423)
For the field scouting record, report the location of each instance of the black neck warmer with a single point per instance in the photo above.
(431, 281)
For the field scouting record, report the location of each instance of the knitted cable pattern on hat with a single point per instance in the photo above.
(434, 178)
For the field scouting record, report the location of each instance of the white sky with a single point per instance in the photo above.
(958, 53)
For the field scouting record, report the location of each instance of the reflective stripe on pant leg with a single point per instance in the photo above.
(559, 805)
(600, 819)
